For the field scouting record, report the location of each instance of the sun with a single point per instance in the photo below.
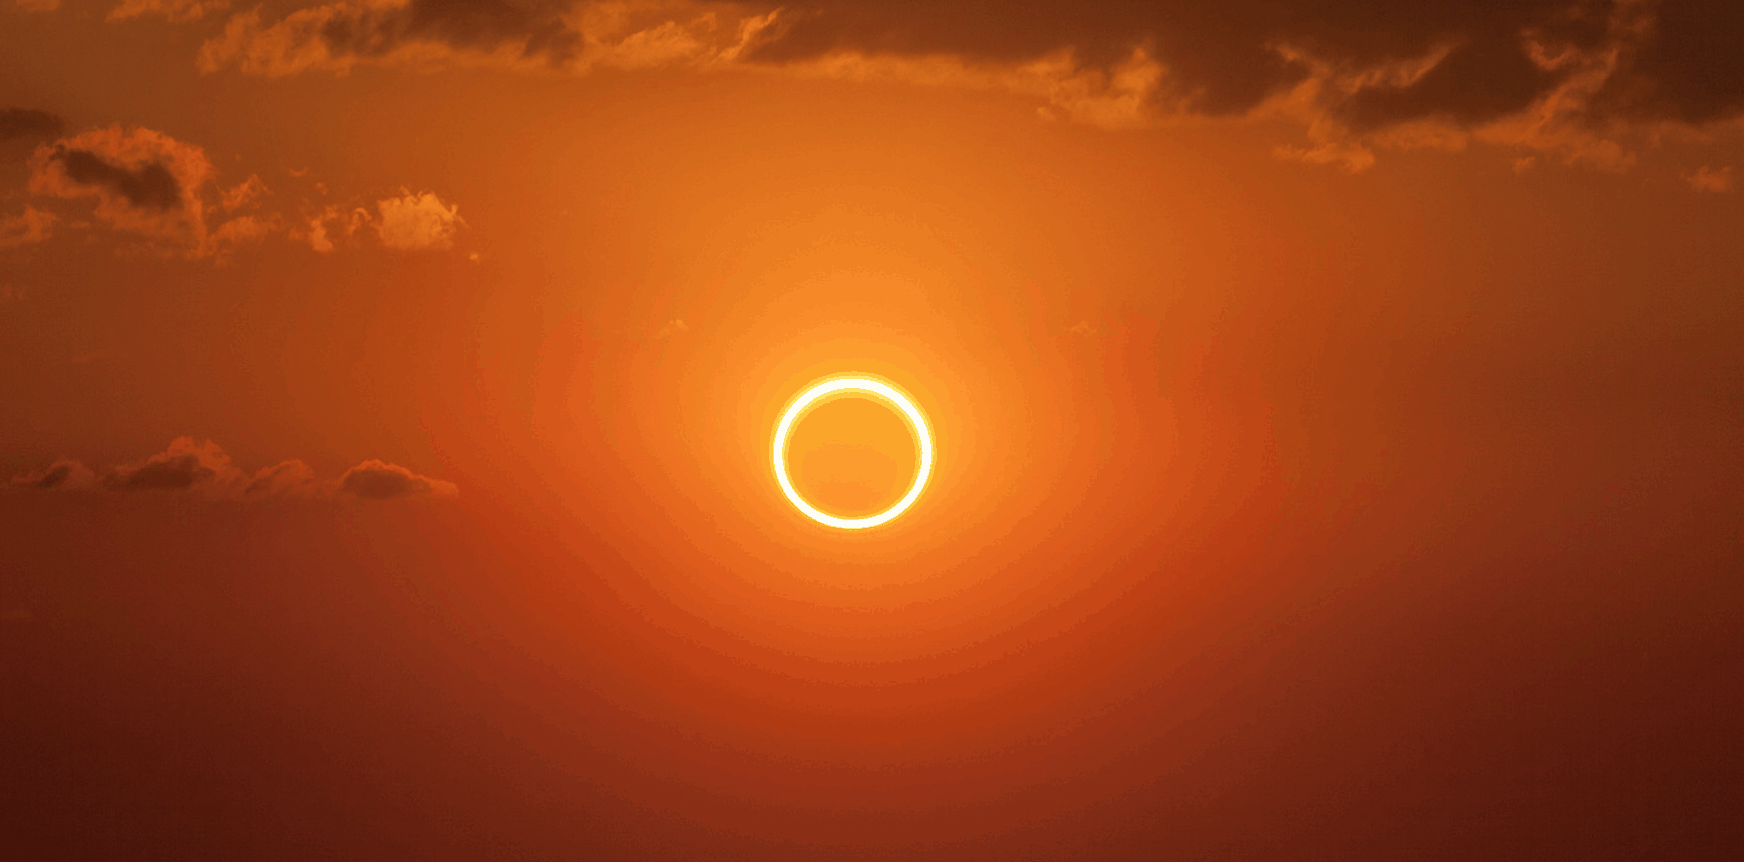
(862, 385)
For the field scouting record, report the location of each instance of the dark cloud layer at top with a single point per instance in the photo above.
(1380, 63)
(27, 123)
(1225, 58)
(1215, 48)
(1688, 66)
(536, 24)
(1474, 83)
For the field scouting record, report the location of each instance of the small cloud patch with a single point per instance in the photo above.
(288, 479)
(1710, 180)
(417, 221)
(145, 182)
(26, 228)
(63, 475)
(183, 465)
(377, 480)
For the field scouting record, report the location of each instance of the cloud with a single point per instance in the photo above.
(337, 36)
(672, 329)
(145, 182)
(405, 222)
(63, 475)
(1082, 328)
(417, 221)
(287, 479)
(1466, 84)
(174, 10)
(246, 194)
(36, 5)
(235, 233)
(1468, 62)
(1705, 179)
(525, 34)
(149, 185)
(376, 480)
(317, 235)
(202, 468)
(1587, 82)
(1680, 62)
(1580, 80)
(187, 463)
(346, 223)
(29, 124)
(31, 226)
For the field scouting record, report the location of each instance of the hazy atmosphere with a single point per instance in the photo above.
(1332, 416)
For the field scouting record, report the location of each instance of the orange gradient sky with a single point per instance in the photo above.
(1338, 411)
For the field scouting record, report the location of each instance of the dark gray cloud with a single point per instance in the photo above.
(1224, 56)
(1476, 82)
(1687, 66)
(29, 124)
(535, 26)
(149, 186)
(1681, 59)
(144, 183)
(1353, 71)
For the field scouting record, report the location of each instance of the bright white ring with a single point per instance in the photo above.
(858, 384)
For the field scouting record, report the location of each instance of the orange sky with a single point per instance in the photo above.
(1337, 409)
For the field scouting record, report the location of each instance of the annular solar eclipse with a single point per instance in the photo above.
(853, 385)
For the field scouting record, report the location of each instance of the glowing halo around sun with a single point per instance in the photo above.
(869, 386)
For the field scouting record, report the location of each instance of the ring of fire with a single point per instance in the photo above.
(880, 390)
